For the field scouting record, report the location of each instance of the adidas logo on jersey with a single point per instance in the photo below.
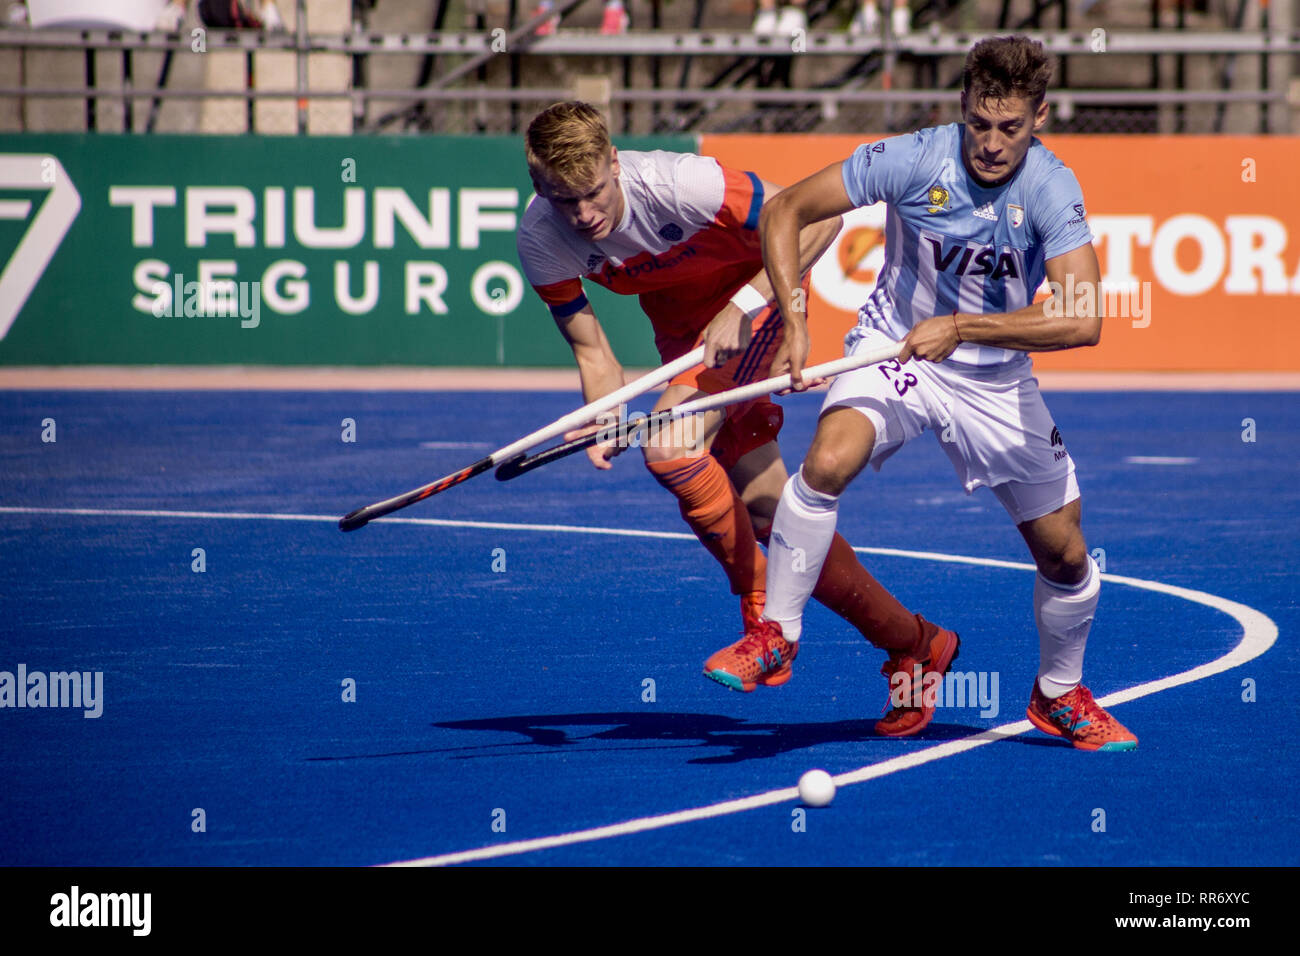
(986, 212)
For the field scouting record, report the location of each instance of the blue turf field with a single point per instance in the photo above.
(522, 691)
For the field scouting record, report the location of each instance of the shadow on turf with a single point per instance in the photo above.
(668, 731)
(742, 740)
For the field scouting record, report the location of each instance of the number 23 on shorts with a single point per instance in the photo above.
(891, 369)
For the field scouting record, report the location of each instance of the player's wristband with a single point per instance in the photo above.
(749, 300)
(955, 328)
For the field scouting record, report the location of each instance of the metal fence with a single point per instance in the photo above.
(491, 80)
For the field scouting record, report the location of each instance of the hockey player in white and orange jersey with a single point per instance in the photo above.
(681, 232)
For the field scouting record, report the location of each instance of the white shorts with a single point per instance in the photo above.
(992, 424)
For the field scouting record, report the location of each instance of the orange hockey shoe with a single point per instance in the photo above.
(1079, 719)
(910, 715)
(762, 656)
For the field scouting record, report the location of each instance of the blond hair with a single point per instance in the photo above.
(566, 144)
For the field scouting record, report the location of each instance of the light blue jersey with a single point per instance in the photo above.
(952, 244)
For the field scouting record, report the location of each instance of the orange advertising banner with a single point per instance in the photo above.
(1198, 239)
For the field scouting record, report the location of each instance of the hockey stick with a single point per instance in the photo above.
(517, 466)
(355, 519)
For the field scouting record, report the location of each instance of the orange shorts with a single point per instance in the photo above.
(748, 425)
(757, 423)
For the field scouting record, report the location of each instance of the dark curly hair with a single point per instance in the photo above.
(1001, 67)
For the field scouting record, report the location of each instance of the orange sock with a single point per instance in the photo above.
(713, 509)
(848, 589)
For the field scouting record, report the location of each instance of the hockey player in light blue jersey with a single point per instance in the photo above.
(979, 213)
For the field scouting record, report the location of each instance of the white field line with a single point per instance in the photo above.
(1259, 633)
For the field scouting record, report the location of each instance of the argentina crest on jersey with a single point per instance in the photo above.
(939, 195)
(1016, 214)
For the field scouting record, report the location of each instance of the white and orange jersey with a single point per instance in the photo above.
(688, 240)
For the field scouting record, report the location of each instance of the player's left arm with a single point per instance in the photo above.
(1046, 326)
(728, 334)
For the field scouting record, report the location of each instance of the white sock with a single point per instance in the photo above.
(802, 531)
(1063, 613)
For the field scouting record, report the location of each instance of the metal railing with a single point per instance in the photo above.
(658, 43)
(481, 47)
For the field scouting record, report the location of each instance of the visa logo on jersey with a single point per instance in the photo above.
(963, 260)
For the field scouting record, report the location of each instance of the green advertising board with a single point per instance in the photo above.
(189, 250)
